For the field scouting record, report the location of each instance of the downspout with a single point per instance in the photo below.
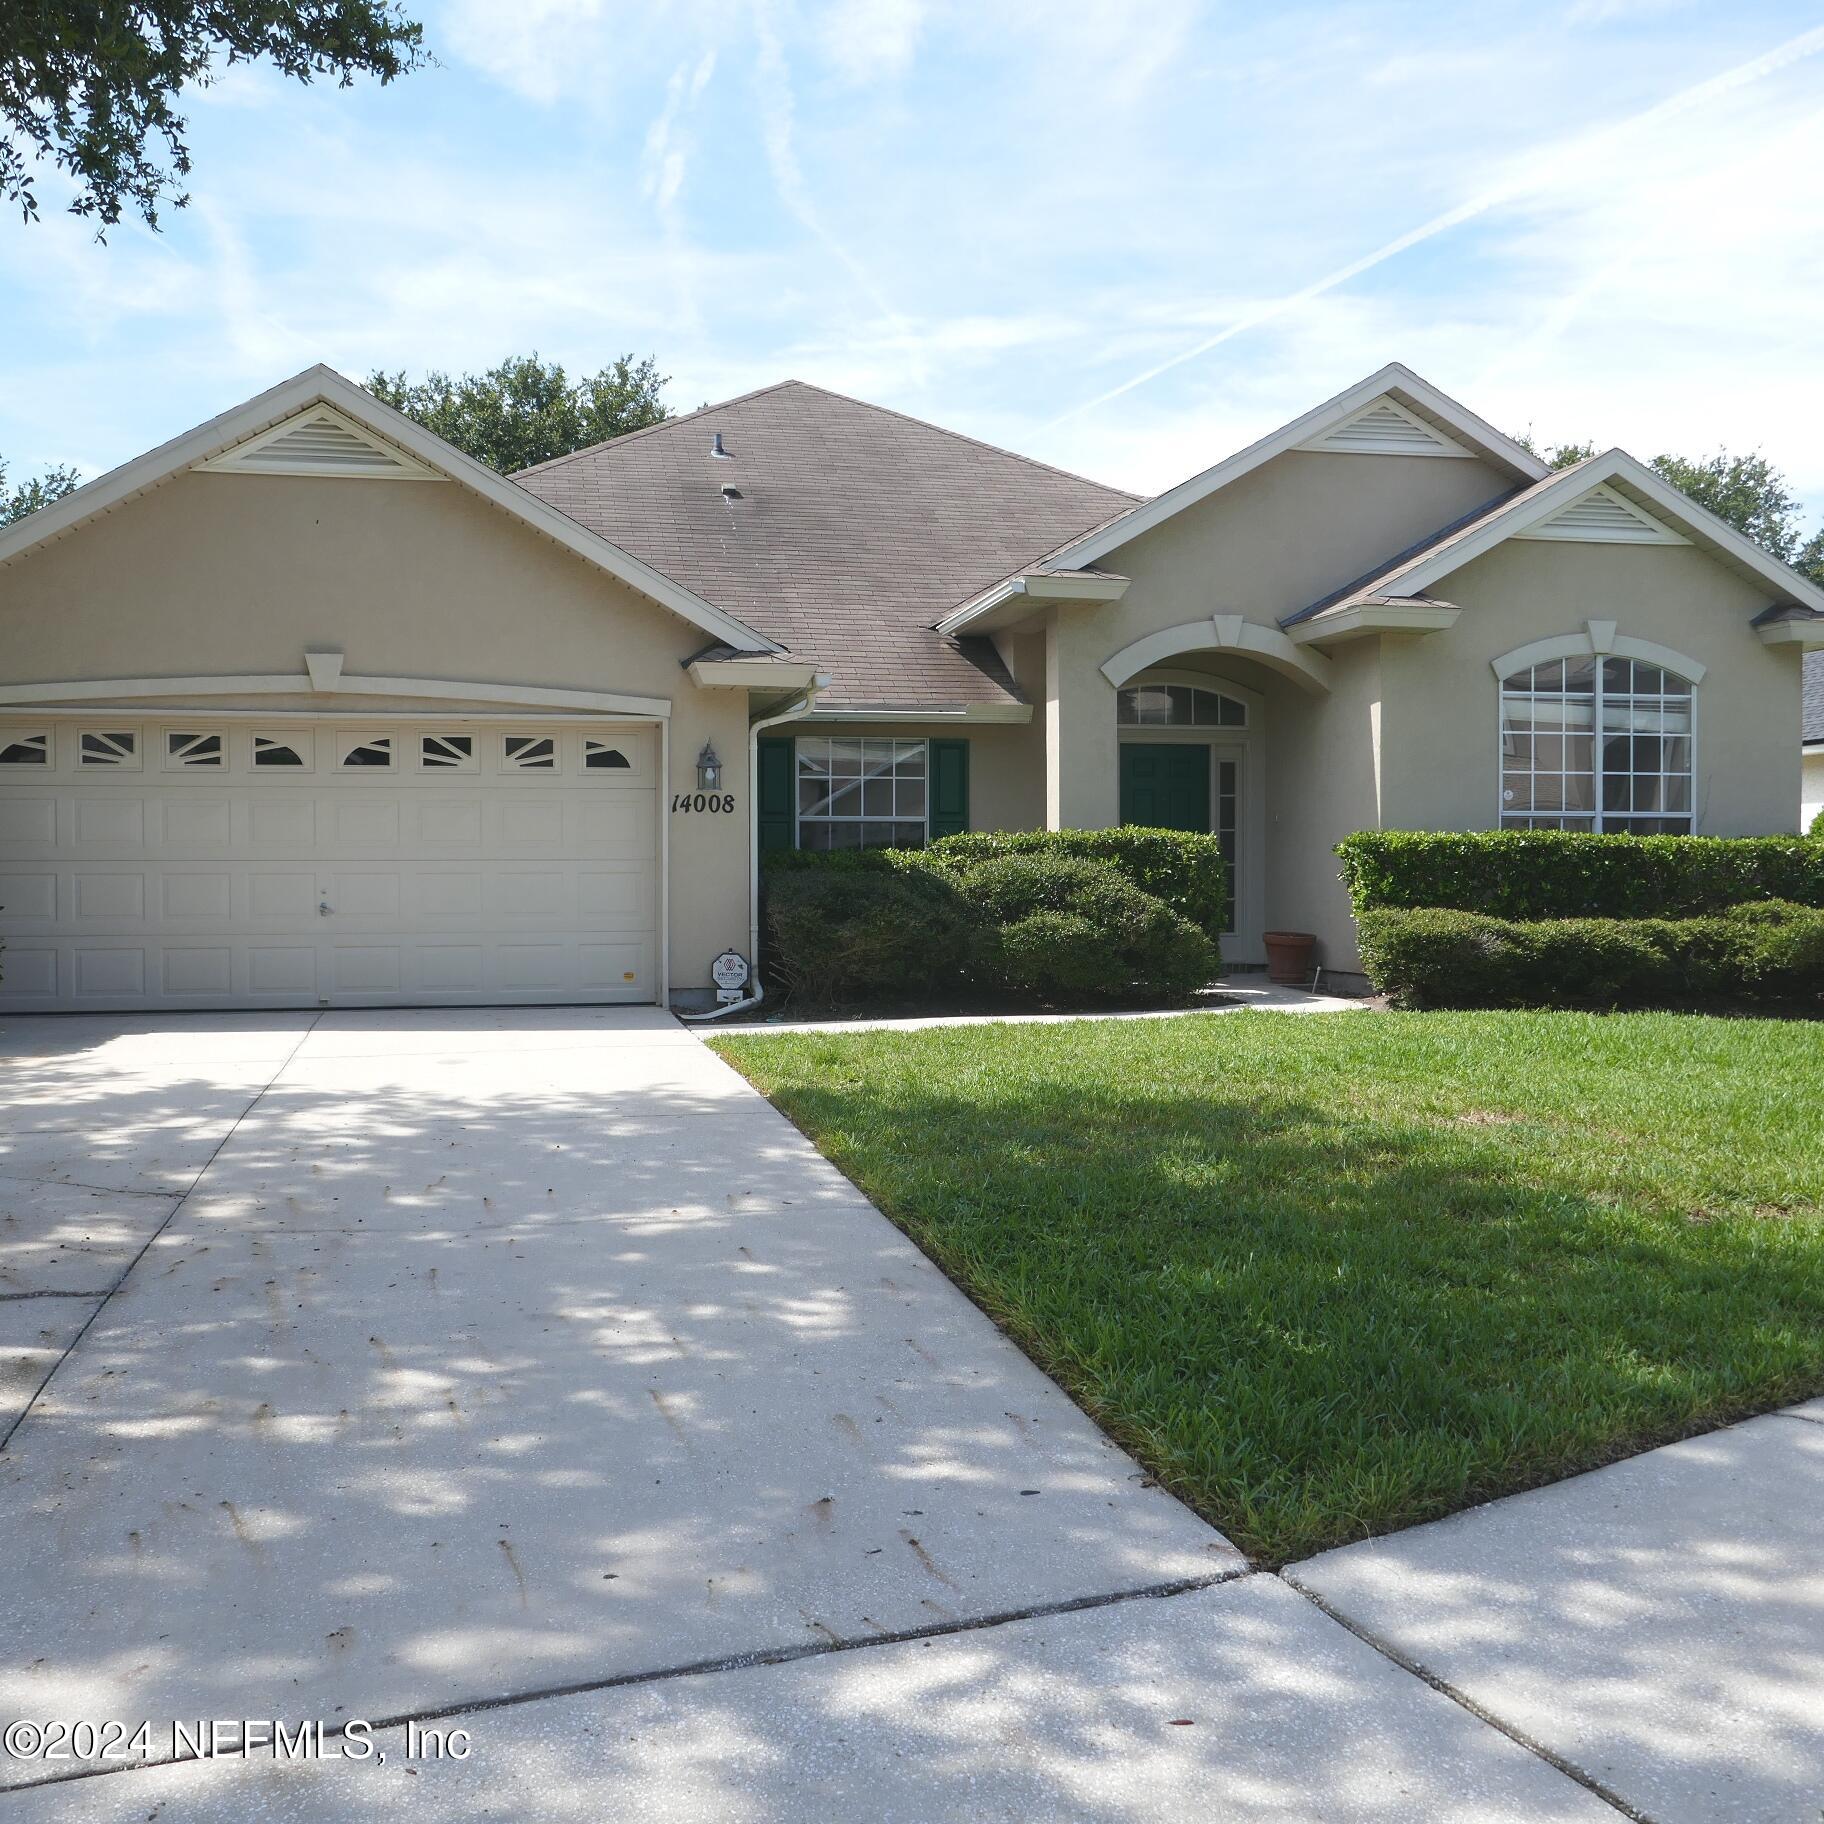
(801, 707)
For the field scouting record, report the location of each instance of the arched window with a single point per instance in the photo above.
(1597, 744)
(1177, 706)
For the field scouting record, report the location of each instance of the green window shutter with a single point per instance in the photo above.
(949, 787)
(774, 787)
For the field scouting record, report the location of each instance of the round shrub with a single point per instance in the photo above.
(1058, 928)
(867, 932)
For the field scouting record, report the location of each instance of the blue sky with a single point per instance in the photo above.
(1124, 237)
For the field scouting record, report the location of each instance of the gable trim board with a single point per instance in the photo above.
(97, 691)
(323, 386)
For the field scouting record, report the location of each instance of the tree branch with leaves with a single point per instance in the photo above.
(1747, 492)
(527, 411)
(29, 496)
(90, 86)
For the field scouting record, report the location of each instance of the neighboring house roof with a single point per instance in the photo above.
(851, 530)
(1814, 698)
(324, 385)
(1415, 571)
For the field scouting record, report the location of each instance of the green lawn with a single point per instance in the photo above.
(1328, 1275)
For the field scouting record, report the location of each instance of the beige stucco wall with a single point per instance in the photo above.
(1262, 547)
(1439, 765)
(212, 574)
(1298, 527)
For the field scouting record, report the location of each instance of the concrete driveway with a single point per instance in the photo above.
(409, 1366)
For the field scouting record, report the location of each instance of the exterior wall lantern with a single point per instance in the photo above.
(709, 769)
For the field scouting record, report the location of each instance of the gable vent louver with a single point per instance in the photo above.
(1384, 428)
(1603, 517)
(320, 441)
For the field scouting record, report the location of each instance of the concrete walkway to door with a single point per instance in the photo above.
(526, 1370)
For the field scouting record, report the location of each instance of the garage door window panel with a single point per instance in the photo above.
(374, 752)
(529, 753)
(604, 757)
(447, 753)
(187, 749)
(117, 747)
(288, 751)
(25, 750)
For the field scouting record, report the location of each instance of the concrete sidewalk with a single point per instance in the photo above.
(1226, 997)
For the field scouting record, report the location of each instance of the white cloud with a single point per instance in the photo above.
(778, 127)
(537, 48)
(870, 40)
(986, 215)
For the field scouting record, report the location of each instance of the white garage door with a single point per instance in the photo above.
(365, 862)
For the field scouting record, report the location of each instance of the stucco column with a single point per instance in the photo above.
(1082, 780)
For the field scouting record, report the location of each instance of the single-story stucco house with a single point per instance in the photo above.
(306, 708)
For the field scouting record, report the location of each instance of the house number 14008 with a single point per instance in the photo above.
(702, 801)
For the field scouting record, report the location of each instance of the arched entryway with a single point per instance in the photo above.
(1191, 756)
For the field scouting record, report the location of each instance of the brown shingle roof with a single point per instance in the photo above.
(852, 530)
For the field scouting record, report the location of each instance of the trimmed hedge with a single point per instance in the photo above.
(1181, 867)
(911, 924)
(1437, 957)
(1058, 927)
(889, 931)
(1532, 874)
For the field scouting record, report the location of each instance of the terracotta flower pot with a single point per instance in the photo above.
(1289, 956)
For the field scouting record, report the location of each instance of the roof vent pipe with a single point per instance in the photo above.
(716, 449)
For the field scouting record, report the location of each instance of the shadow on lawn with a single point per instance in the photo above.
(1314, 1325)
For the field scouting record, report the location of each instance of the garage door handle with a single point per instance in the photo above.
(324, 908)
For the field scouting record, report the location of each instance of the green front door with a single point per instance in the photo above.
(1165, 785)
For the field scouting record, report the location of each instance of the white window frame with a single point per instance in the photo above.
(894, 741)
(175, 762)
(588, 745)
(300, 741)
(451, 763)
(1134, 686)
(517, 763)
(347, 740)
(18, 737)
(1545, 653)
(133, 761)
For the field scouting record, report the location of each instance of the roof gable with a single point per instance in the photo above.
(1415, 399)
(285, 408)
(1611, 498)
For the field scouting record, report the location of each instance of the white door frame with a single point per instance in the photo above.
(1247, 747)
